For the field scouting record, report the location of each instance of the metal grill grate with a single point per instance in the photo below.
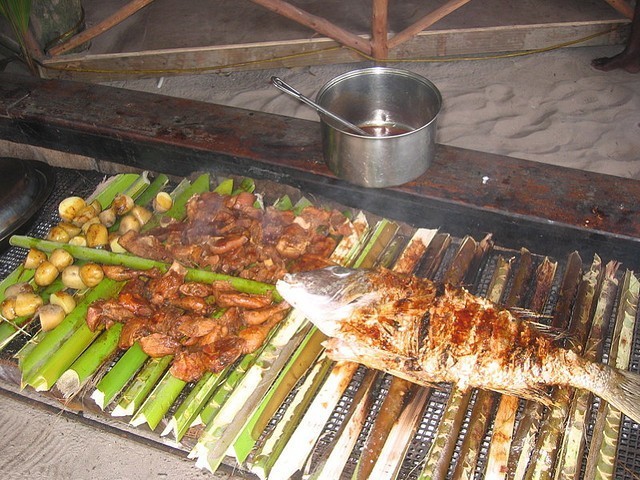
(71, 182)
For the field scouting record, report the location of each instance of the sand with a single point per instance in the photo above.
(549, 107)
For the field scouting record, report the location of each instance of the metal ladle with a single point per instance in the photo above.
(289, 90)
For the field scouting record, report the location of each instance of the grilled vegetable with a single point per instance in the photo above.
(50, 316)
(45, 274)
(26, 304)
(60, 258)
(70, 207)
(64, 300)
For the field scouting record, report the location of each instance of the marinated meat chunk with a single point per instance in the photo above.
(158, 345)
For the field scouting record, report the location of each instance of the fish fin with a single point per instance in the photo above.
(537, 394)
(527, 314)
(623, 392)
(557, 334)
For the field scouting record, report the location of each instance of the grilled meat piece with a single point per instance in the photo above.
(428, 333)
(146, 246)
(158, 345)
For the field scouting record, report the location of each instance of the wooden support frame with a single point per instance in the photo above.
(379, 45)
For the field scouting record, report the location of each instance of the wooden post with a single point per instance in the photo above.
(426, 22)
(122, 14)
(623, 7)
(319, 24)
(380, 29)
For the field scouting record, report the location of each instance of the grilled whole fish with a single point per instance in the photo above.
(429, 333)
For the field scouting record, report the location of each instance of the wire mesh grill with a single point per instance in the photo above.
(82, 183)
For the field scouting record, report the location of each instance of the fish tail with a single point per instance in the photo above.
(622, 390)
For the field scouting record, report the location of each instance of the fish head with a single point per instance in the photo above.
(327, 296)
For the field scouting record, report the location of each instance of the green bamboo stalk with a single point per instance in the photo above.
(552, 428)
(603, 448)
(305, 435)
(107, 190)
(281, 434)
(308, 351)
(43, 378)
(106, 257)
(53, 339)
(188, 410)
(225, 427)
(141, 386)
(119, 375)
(232, 377)
(572, 448)
(148, 194)
(75, 377)
(159, 401)
(179, 208)
(246, 391)
(305, 355)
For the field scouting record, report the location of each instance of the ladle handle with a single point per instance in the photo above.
(289, 90)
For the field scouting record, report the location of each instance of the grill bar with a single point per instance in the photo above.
(556, 287)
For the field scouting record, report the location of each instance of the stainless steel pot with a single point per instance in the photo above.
(398, 107)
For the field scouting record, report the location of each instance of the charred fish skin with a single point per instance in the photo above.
(428, 333)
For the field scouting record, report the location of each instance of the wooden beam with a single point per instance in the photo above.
(426, 22)
(318, 24)
(623, 7)
(111, 21)
(380, 29)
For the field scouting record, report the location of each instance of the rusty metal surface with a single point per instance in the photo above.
(463, 188)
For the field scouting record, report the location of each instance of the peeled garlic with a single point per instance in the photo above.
(88, 223)
(34, 258)
(129, 222)
(16, 288)
(27, 304)
(78, 240)
(122, 204)
(108, 217)
(114, 244)
(58, 234)
(64, 300)
(96, 206)
(97, 235)
(70, 228)
(91, 274)
(61, 259)
(50, 316)
(46, 273)
(142, 214)
(84, 215)
(162, 202)
(69, 208)
(8, 308)
(71, 278)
